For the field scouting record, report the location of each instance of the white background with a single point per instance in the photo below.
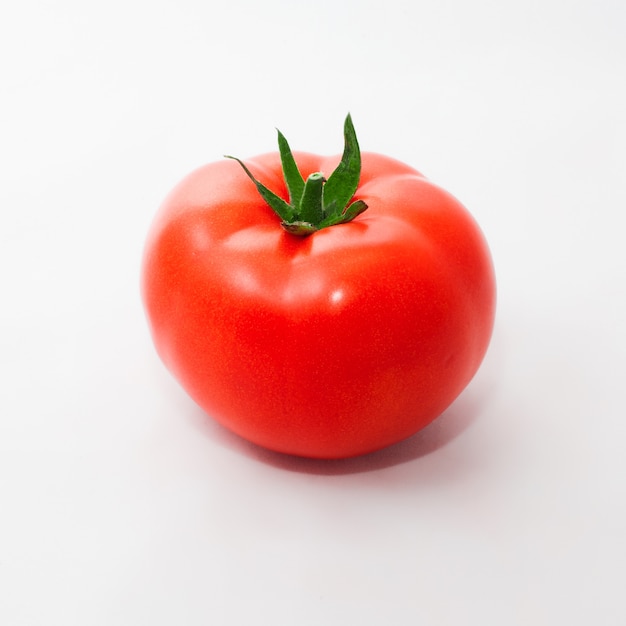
(122, 504)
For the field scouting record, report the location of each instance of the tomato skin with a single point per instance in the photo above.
(331, 345)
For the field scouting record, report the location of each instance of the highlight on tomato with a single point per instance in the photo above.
(318, 306)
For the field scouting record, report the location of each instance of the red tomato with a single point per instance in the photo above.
(330, 345)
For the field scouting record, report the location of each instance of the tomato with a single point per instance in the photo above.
(329, 343)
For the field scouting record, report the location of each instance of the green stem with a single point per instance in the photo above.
(318, 202)
(311, 204)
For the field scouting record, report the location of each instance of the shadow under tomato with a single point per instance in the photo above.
(447, 427)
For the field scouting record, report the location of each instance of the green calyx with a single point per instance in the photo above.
(316, 202)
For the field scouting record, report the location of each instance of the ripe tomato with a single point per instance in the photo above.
(328, 345)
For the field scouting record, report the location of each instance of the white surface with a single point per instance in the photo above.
(120, 503)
